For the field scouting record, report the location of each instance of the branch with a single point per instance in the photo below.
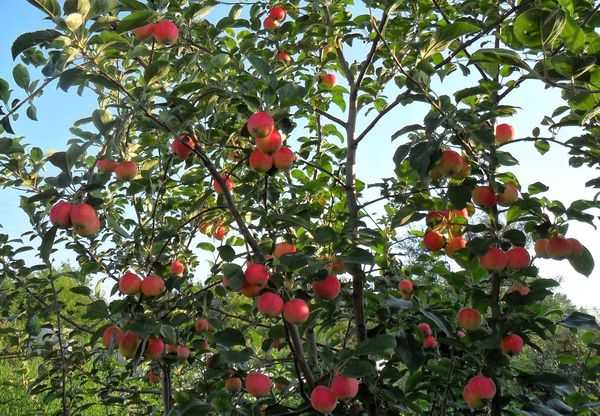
(379, 116)
(330, 117)
(29, 97)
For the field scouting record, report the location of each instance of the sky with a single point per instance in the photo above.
(58, 110)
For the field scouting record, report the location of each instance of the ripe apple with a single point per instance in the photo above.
(152, 286)
(233, 384)
(576, 247)
(277, 13)
(260, 124)
(406, 287)
(283, 58)
(479, 388)
(484, 196)
(270, 24)
(84, 219)
(296, 311)
(165, 32)
(183, 352)
(128, 344)
(202, 325)
(143, 32)
(344, 388)
(281, 249)
(327, 80)
(511, 344)
(504, 133)
(183, 145)
(256, 274)
(258, 385)
(451, 163)
(60, 214)
(111, 335)
(518, 258)
(433, 240)
(220, 232)
(328, 288)
(126, 170)
(269, 144)
(270, 304)
(106, 165)
(455, 244)
(468, 319)
(154, 348)
(177, 268)
(430, 342)
(425, 328)
(259, 161)
(130, 284)
(228, 184)
(541, 247)
(559, 248)
(283, 158)
(509, 196)
(250, 290)
(153, 377)
(494, 259)
(323, 400)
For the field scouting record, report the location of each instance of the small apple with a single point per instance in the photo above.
(484, 196)
(504, 133)
(228, 184)
(269, 144)
(283, 58)
(73, 21)
(519, 288)
(165, 32)
(323, 400)
(152, 286)
(128, 344)
(455, 244)
(111, 335)
(143, 32)
(183, 352)
(202, 325)
(130, 284)
(258, 385)
(177, 268)
(220, 232)
(259, 161)
(468, 319)
(233, 384)
(260, 124)
(256, 274)
(541, 247)
(296, 311)
(425, 328)
(250, 290)
(430, 342)
(154, 348)
(126, 170)
(328, 288)
(153, 377)
(433, 240)
(106, 165)
(406, 288)
(511, 344)
(281, 249)
(283, 158)
(451, 163)
(494, 259)
(60, 214)
(479, 388)
(518, 258)
(509, 196)
(84, 219)
(270, 304)
(183, 145)
(344, 388)
(270, 24)
(327, 80)
(277, 13)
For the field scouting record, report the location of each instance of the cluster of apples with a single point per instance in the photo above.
(82, 217)
(450, 165)
(276, 15)
(485, 196)
(269, 151)
(150, 286)
(164, 32)
(470, 319)
(324, 399)
(558, 248)
(429, 340)
(125, 170)
(496, 259)
(445, 230)
(128, 343)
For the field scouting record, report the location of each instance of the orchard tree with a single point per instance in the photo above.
(214, 192)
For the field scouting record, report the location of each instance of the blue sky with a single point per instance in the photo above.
(58, 110)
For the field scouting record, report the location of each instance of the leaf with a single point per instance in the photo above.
(456, 30)
(226, 252)
(401, 153)
(27, 40)
(377, 345)
(59, 159)
(47, 243)
(50, 7)
(358, 256)
(499, 56)
(438, 321)
(261, 66)
(169, 334)
(397, 303)
(516, 237)
(96, 310)
(583, 263)
(358, 368)
(21, 76)
(230, 337)
(291, 94)
(32, 112)
(135, 19)
(536, 188)
(542, 146)
(407, 129)
(69, 77)
(81, 290)
(4, 91)
(409, 351)
(506, 159)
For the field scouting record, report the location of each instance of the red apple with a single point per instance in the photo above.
(484, 196)
(468, 319)
(269, 144)
(183, 352)
(250, 290)
(425, 328)
(430, 342)
(228, 184)
(126, 170)
(260, 124)
(283, 58)
(154, 348)
(84, 219)
(105, 165)
(220, 232)
(256, 274)
(518, 258)
(111, 335)
(541, 248)
(233, 384)
(60, 214)
(433, 240)
(479, 388)
(258, 384)
(451, 163)
(494, 259)
(327, 80)
(455, 244)
(259, 161)
(509, 196)
(511, 344)
(434, 218)
(323, 400)
(559, 248)
(270, 23)
(296, 311)
(328, 288)
(130, 284)
(270, 304)
(277, 13)
(344, 388)
(143, 32)
(183, 145)
(519, 288)
(165, 32)
(128, 344)
(406, 288)
(177, 268)
(152, 286)
(202, 325)
(283, 158)
(576, 247)
(281, 249)
(504, 133)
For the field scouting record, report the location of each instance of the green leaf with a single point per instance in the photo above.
(542, 146)
(59, 159)
(69, 78)
(506, 159)
(96, 310)
(583, 263)
(27, 40)
(358, 256)
(4, 91)
(397, 303)
(50, 7)
(536, 188)
(21, 76)
(499, 56)
(290, 94)
(580, 320)
(226, 252)
(516, 237)
(81, 290)
(437, 320)
(456, 30)
(377, 345)
(358, 368)
(169, 334)
(47, 243)
(135, 19)
(230, 337)
(409, 351)
(407, 129)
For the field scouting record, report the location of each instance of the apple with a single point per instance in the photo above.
(283, 158)
(406, 287)
(60, 214)
(468, 319)
(494, 259)
(233, 384)
(518, 258)
(558, 248)
(84, 219)
(519, 288)
(256, 274)
(154, 348)
(504, 133)
(433, 240)
(130, 284)
(327, 80)
(228, 184)
(270, 304)
(576, 247)
(183, 352)
(277, 13)
(250, 290)
(111, 335)
(259, 161)
(270, 23)
(323, 400)
(336, 266)
(258, 384)
(152, 286)
(202, 325)
(511, 344)
(283, 58)
(219, 232)
(541, 247)
(153, 377)
(296, 311)
(177, 268)
(171, 349)
(434, 218)
(183, 145)
(165, 32)
(484, 196)
(128, 344)
(509, 196)
(106, 165)
(281, 249)
(143, 32)
(328, 288)
(425, 328)
(269, 144)
(430, 342)
(455, 244)
(260, 124)
(126, 170)
(451, 163)
(479, 388)
(344, 388)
